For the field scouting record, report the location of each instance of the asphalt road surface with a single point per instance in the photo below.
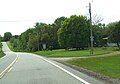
(25, 68)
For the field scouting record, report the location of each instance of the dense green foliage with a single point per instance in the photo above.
(99, 33)
(74, 33)
(7, 36)
(1, 52)
(34, 38)
(1, 38)
(115, 34)
(109, 66)
(67, 33)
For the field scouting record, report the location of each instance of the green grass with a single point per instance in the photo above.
(1, 52)
(64, 53)
(11, 47)
(109, 66)
(70, 53)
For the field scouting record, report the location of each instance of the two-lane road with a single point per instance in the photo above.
(33, 69)
(7, 61)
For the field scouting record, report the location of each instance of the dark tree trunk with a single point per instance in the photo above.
(118, 45)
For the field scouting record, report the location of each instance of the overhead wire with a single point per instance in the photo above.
(25, 20)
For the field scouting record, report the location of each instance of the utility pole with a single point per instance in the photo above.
(91, 32)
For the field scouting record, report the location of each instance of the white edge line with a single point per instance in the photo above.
(3, 72)
(78, 78)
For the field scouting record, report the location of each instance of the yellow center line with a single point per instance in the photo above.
(9, 67)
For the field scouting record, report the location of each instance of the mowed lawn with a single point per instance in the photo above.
(73, 53)
(109, 66)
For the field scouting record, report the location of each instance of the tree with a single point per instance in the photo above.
(115, 35)
(23, 40)
(100, 31)
(58, 22)
(32, 44)
(74, 33)
(1, 38)
(110, 27)
(7, 36)
(53, 32)
(42, 34)
(96, 19)
(14, 40)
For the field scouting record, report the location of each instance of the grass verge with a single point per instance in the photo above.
(64, 53)
(70, 53)
(107, 66)
(1, 52)
(11, 47)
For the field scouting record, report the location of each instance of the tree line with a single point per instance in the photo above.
(67, 33)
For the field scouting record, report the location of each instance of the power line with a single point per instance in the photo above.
(25, 20)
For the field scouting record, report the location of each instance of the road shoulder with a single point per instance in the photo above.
(102, 78)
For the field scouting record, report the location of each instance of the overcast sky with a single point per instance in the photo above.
(16, 16)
